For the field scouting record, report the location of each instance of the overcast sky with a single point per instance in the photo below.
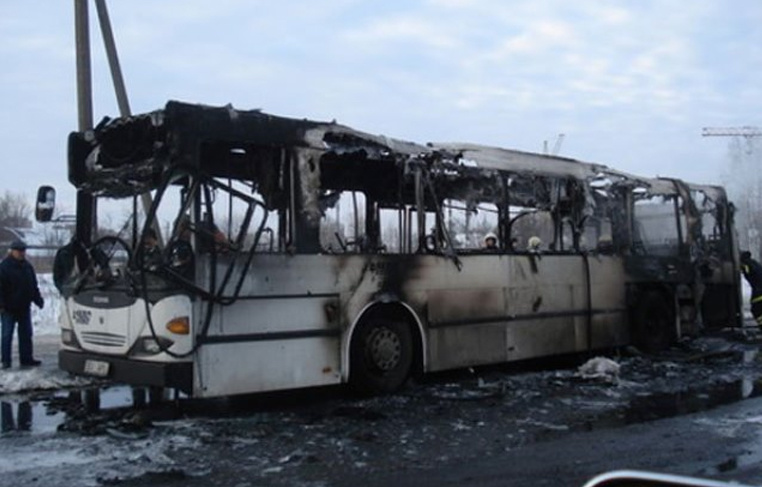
(629, 83)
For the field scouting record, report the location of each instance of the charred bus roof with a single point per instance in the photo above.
(128, 156)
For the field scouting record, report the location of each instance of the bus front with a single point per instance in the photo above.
(128, 311)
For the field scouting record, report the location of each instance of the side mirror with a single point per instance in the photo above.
(46, 203)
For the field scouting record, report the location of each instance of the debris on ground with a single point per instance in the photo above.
(600, 368)
(311, 437)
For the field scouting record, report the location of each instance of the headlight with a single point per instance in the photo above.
(152, 346)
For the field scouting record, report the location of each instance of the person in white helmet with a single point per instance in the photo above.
(490, 241)
(534, 243)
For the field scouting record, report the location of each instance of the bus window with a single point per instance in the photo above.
(228, 211)
(395, 230)
(115, 218)
(565, 241)
(431, 238)
(531, 224)
(712, 225)
(269, 241)
(342, 226)
(124, 218)
(656, 231)
(597, 235)
(457, 217)
(231, 213)
(469, 225)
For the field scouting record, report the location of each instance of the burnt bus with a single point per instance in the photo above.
(277, 253)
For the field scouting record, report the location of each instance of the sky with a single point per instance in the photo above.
(629, 84)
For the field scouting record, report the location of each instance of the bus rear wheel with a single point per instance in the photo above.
(381, 356)
(654, 322)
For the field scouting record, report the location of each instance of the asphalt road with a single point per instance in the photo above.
(724, 444)
(504, 426)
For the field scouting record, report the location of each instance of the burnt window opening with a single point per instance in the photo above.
(658, 225)
(343, 223)
(597, 235)
(290, 165)
(469, 223)
(546, 214)
(398, 230)
(713, 222)
(243, 172)
(532, 229)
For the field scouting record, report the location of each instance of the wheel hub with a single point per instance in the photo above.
(385, 348)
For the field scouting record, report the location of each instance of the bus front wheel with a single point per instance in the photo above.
(381, 356)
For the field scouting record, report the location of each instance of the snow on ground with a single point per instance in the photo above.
(46, 337)
(45, 321)
(37, 379)
(65, 459)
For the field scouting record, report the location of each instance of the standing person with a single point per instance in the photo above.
(18, 289)
(752, 271)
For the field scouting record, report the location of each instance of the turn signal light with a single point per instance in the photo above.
(179, 325)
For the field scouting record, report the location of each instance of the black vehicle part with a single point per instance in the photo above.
(381, 355)
(653, 321)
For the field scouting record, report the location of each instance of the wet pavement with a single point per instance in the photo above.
(104, 434)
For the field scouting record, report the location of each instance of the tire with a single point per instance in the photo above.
(381, 356)
(653, 322)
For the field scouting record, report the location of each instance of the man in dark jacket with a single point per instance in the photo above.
(752, 271)
(18, 289)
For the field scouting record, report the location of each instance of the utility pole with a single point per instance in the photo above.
(85, 202)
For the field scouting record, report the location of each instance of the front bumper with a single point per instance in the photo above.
(175, 375)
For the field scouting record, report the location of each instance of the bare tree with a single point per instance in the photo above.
(15, 211)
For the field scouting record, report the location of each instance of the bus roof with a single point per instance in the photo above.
(144, 144)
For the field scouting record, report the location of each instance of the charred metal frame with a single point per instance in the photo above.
(295, 171)
(297, 165)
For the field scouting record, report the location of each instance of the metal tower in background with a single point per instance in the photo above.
(748, 132)
(745, 131)
(556, 147)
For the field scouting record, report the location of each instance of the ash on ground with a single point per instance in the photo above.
(317, 437)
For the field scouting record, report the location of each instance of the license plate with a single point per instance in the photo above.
(97, 368)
